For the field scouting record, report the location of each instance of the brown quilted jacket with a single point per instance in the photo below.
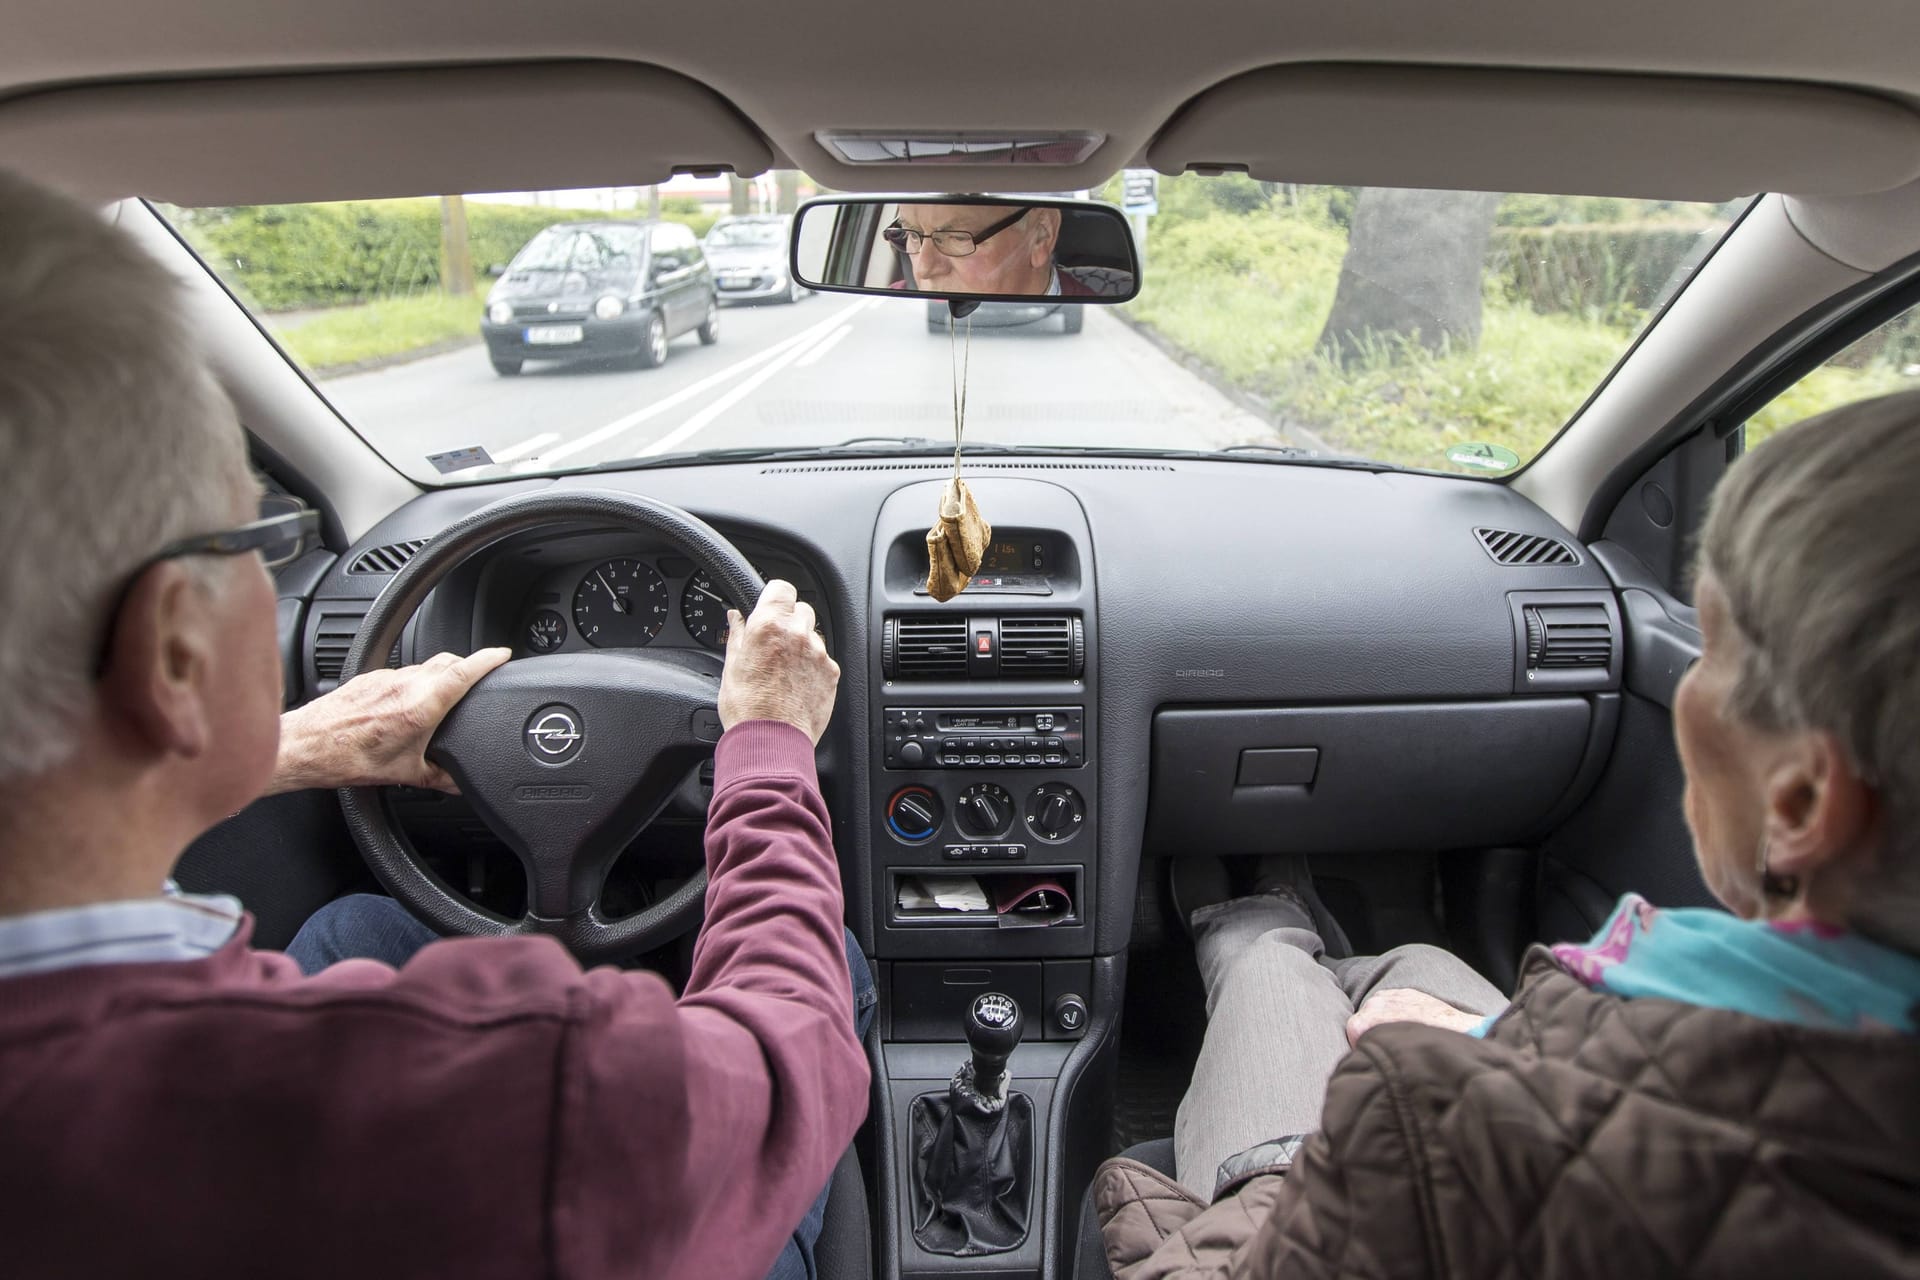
(1585, 1136)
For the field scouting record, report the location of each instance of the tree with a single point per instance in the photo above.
(786, 185)
(1412, 272)
(456, 258)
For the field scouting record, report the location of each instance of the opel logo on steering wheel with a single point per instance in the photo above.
(554, 734)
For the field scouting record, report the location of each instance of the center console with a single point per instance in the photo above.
(985, 814)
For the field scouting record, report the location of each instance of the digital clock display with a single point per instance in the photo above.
(1014, 555)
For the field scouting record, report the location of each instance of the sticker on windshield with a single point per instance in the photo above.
(459, 459)
(1483, 457)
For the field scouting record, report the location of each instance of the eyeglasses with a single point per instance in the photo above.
(955, 244)
(279, 540)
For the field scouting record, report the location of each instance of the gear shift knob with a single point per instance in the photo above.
(993, 1032)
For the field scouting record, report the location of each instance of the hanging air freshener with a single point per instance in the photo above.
(958, 538)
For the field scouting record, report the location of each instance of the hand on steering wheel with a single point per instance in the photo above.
(568, 757)
(777, 665)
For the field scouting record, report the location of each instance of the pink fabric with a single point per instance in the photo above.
(489, 1110)
(1590, 961)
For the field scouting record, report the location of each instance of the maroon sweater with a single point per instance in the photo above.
(489, 1110)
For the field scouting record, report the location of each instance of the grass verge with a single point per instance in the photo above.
(350, 336)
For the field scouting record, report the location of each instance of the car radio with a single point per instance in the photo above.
(985, 738)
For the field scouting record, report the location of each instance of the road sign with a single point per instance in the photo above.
(1140, 192)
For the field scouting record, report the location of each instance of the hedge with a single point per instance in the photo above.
(321, 255)
(1604, 272)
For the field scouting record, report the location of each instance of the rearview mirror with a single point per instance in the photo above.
(1002, 248)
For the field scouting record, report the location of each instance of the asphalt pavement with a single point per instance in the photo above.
(819, 371)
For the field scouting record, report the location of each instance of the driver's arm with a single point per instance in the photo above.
(374, 729)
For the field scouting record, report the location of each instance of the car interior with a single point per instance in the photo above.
(1450, 691)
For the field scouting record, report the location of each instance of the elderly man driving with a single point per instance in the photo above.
(173, 1102)
(990, 248)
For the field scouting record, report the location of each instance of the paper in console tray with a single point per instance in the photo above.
(942, 893)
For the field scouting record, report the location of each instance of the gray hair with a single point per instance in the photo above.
(1814, 541)
(114, 440)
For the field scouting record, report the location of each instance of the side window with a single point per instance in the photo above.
(1882, 361)
(666, 253)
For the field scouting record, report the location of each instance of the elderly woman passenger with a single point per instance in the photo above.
(1694, 1092)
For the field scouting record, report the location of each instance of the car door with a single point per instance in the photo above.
(669, 274)
(699, 288)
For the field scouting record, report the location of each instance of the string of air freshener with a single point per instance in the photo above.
(958, 539)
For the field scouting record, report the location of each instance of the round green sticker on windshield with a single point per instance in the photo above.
(1483, 457)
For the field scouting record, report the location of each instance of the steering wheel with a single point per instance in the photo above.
(566, 757)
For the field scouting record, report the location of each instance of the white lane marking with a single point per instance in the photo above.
(699, 421)
(822, 347)
(525, 447)
(620, 425)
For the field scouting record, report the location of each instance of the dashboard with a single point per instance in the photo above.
(1256, 657)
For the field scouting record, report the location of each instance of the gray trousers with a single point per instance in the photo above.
(1277, 1010)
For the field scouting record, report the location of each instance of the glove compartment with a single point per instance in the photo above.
(1354, 779)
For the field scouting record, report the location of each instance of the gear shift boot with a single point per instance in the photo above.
(972, 1169)
(973, 1145)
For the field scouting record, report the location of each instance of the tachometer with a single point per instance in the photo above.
(704, 610)
(621, 604)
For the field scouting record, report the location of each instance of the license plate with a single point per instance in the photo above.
(553, 335)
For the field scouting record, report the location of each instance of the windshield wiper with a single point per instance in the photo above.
(858, 446)
(924, 447)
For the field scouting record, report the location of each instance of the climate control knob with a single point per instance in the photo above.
(913, 814)
(984, 811)
(1055, 812)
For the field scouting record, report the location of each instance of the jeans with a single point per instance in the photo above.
(368, 926)
(1277, 1010)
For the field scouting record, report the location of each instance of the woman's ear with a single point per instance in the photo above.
(1820, 811)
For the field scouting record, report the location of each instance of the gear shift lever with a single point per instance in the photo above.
(973, 1145)
(994, 1024)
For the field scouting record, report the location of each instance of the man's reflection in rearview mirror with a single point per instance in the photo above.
(988, 248)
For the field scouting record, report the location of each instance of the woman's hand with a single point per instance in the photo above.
(1403, 1004)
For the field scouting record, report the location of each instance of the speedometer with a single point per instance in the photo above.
(704, 610)
(621, 604)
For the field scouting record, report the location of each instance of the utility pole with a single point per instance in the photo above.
(740, 193)
(456, 258)
(653, 202)
(787, 190)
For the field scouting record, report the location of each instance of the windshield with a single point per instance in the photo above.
(735, 235)
(578, 248)
(1442, 330)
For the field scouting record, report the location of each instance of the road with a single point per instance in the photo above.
(817, 372)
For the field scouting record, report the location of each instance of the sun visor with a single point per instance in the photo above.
(1571, 133)
(374, 134)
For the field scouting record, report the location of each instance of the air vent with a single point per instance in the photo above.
(388, 559)
(333, 638)
(1035, 646)
(925, 648)
(1568, 637)
(1507, 547)
(972, 465)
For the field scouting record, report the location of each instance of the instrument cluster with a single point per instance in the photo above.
(636, 601)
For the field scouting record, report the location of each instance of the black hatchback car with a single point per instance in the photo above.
(587, 290)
